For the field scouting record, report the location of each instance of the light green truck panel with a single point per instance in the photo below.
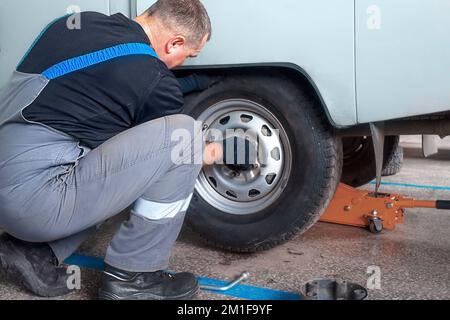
(369, 62)
(403, 60)
(315, 35)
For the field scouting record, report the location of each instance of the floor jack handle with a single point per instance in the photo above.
(438, 204)
(443, 205)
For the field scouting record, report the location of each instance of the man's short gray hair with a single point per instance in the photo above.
(189, 17)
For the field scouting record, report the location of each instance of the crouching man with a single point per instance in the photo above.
(86, 128)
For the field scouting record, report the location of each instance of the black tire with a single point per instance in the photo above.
(359, 159)
(316, 169)
(395, 163)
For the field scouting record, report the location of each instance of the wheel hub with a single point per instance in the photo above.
(244, 188)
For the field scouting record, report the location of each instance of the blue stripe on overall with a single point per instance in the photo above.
(23, 88)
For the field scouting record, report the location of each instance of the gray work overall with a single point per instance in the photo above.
(54, 190)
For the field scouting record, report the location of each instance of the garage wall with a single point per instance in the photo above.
(21, 21)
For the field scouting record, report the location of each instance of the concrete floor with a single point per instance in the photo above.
(414, 259)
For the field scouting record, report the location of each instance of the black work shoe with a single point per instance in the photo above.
(33, 266)
(123, 285)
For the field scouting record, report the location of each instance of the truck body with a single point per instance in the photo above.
(367, 62)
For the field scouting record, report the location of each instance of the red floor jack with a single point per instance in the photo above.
(376, 211)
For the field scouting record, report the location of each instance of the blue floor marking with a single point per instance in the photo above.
(418, 186)
(240, 291)
(86, 262)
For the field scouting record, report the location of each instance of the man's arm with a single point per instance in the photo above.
(196, 82)
(165, 99)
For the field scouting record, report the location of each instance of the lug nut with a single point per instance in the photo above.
(234, 174)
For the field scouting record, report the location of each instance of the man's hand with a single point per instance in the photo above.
(212, 154)
(197, 82)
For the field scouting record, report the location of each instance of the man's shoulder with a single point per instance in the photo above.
(94, 15)
(164, 80)
(98, 28)
(144, 71)
(162, 68)
(150, 65)
(78, 21)
(153, 65)
(168, 80)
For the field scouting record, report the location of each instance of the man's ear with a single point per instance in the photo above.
(175, 43)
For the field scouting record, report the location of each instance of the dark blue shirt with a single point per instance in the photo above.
(99, 102)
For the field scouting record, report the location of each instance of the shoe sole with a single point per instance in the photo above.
(103, 295)
(18, 268)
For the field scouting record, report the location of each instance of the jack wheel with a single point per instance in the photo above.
(376, 226)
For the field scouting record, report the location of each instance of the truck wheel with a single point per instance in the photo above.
(359, 159)
(259, 207)
(395, 163)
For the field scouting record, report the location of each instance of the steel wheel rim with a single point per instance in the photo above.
(255, 189)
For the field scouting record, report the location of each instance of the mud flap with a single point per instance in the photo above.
(378, 137)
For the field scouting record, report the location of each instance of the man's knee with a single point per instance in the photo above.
(173, 124)
(186, 136)
(184, 122)
(34, 235)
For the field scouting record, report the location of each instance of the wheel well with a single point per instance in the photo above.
(293, 72)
